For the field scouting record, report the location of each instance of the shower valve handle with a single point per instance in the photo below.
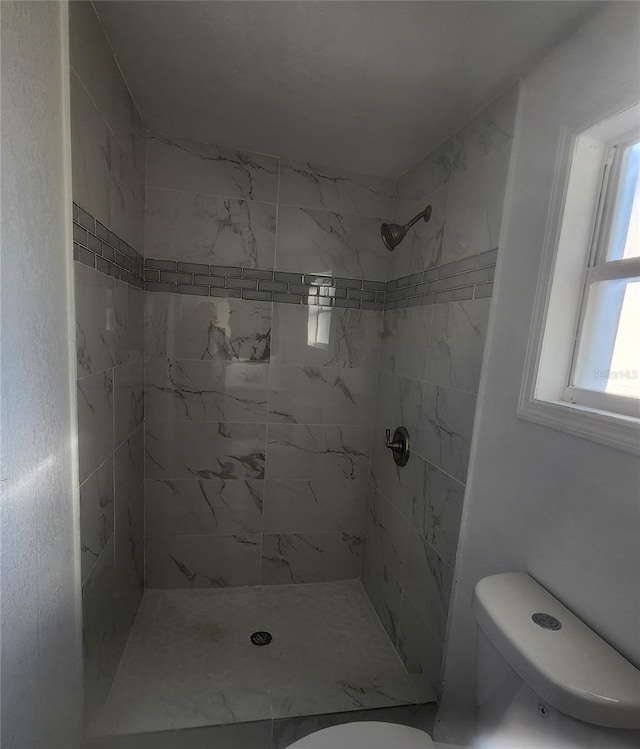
(395, 445)
(399, 446)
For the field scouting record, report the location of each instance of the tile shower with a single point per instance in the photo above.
(244, 338)
(258, 415)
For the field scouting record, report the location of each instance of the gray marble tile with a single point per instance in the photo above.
(129, 468)
(429, 174)
(204, 450)
(422, 247)
(388, 531)
(256, 734)
(96, 515)
(456, 345)
(321, 395)
(399, 485)
(310, 557)
(330, 244)
(128, 398)
(127, 197)
(134, 340)
(90, 155)
(382, 588)
(210, 508)
(98, 632)
(185, 327)
(401, 405)
(309, 697)
(486, 132)
(437, 509)
(405, 339)
(474, 207)
(310, 186)
(181, 637)
(191, 390)
(325, 336)
(98, 344)
(91, 57)
(124, 323)
(296, 451)
(447, 418)
(205, 229)
(419, 648)
(128, 128)
(427, 583)
(95, 421)
(299, 506)
(210, 170)
(388, 406)
(218, 711)
(202, 561)
(129, 533)
(288, 730)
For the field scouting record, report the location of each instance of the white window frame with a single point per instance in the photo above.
(545, 396)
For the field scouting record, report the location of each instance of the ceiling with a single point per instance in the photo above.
(369, 87)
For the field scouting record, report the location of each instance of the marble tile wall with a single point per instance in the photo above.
(259, 446)
(108, 176)
(258, 413)
(430, 366)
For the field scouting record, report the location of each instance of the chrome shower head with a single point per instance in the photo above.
(393, 234)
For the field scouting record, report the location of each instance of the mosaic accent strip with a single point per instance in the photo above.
(98, 247)
(470, 278)
(262, 285)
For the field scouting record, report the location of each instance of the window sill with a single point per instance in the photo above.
(605, 427)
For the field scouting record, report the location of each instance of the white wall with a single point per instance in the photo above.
(41, 682)
(564, 509)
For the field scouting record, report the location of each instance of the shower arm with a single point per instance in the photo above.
(426, 215)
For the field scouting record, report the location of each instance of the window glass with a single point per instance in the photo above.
(624, 241)
(608, 359)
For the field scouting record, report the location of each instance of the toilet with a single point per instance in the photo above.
(544, 681)
(367, 735)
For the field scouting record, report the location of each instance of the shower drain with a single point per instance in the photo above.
(261, 638)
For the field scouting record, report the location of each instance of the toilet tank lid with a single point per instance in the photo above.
(572, 668)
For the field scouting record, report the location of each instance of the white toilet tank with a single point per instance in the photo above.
(544, 679)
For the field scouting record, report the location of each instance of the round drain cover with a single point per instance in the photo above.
(261, 638)
(546, 621)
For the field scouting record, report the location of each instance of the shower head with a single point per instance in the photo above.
(393, 234)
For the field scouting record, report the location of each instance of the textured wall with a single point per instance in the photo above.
(108, 183)
(258, 424)
(41, 647)
(429, 374)
(563, 508)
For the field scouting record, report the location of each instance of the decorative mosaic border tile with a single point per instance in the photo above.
(262, 285)
(98, 247)
(470, 278)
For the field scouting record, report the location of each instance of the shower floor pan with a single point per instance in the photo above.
(189, 660)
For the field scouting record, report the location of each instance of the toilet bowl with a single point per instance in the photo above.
(367, 735)
(543, 679)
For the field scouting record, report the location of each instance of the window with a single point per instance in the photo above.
(606, 362)
(582, 373)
